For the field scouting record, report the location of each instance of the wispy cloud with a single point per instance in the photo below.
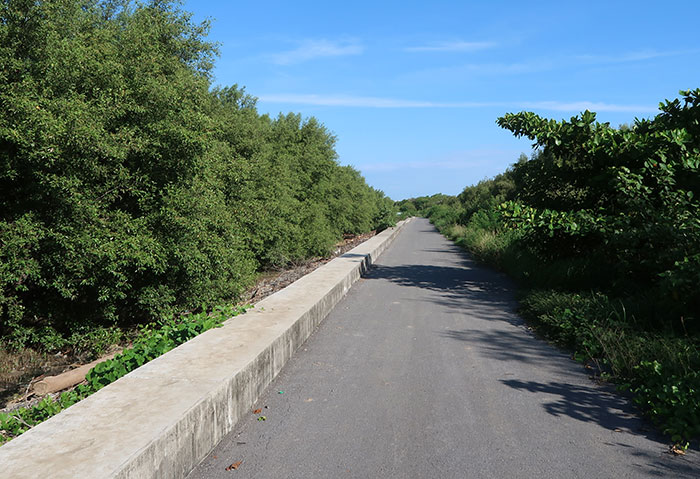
(586, 105)
(458, 160)
(628, 57)
(495, 68)
(456, 46)
(357, 101)
(312, 49)
(382, 102)
(529, 66)
(456, 73)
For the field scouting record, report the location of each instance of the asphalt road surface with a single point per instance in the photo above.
(424, 370)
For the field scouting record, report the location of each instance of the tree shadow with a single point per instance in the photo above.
(600, 405)
(573, 395)
(455, 280)
(583, 403)
(519, 345)
(460, 286)
(666, 465)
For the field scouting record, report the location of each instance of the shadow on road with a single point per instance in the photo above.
(586, 401)
(583, 403)
(511, 345)
(611, 411)
(661, 466)
(454, 279)
(484, 292)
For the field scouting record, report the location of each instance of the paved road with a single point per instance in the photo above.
(424, 371)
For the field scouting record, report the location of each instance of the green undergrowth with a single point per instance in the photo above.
(659, 368)
(85, 342)
(153, 340)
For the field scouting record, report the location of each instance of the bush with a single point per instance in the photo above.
(131, 189)
(673, 400)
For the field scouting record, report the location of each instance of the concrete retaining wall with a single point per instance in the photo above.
(162, 419)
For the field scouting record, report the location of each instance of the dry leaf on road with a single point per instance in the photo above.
(677, 450)
(235, 465)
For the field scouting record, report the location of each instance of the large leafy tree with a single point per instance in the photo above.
(103, 143)
(129, 187)
(629, 197)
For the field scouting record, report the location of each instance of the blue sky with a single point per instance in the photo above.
(412, 90)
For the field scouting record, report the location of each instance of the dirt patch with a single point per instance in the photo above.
(21, 370)
(18, 370)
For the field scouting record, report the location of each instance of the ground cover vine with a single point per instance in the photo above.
(154, 340)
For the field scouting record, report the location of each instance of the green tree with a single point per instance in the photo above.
(130, 187)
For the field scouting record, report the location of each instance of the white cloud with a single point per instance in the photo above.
(631, 56)
(417, 165)
(586, 105)
(494, 68)
(458, 46)
(471, 70)
(380, 102)
(355, 101)
(312, 49)
(458, 160)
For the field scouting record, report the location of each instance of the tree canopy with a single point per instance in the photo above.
(131, 187)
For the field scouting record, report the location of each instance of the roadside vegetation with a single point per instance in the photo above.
(152, 341)
(601, 229)
(132, 189)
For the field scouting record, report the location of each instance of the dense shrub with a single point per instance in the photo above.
(626, 197)
(129, 188)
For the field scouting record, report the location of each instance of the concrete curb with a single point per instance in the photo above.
(162, 419)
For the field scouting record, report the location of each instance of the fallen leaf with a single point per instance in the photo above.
(234, 466)
(257, 411)
(262, 418)
(677, 450)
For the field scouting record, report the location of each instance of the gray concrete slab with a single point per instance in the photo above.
(163, 418)
(424, 370)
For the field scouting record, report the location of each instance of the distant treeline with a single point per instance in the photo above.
(601, 226)
(130, 188)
